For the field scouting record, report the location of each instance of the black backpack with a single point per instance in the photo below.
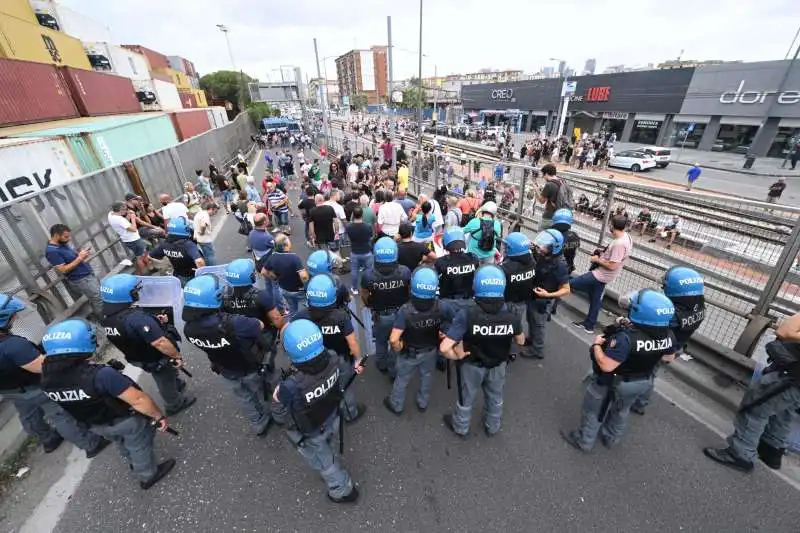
(564, 194)
(486, 241)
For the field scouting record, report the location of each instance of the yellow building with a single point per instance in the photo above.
(18, 8)
(27, 41)
(180, 79)
(200, 95)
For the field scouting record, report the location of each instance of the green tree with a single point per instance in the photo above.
(225, 85)
(258, 111)
(413, 97)
(359, 101)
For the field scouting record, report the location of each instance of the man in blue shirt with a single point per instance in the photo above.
(79, 276)
(691, 176)
(406, 202)
(287, 269)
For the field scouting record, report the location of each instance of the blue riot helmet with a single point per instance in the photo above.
(563, 216)
(241, 273)
(302, 340)
(424, 283)
(453, 234)
(517, 244)
(120, 289)
(385, 250)
(489, 282)
(649, 307)
(321, 291)
(204, 292)
(9, 306)
(73, 336)
(320, 262)
(683, 281)
(550, 240)
(180, 227)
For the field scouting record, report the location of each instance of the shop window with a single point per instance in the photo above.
(645, 131)
(524, 124)
(682, 137)
(785, 140)
(609, 126)
(734, 138)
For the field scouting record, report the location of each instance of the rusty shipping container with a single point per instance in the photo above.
(190, 123)
(33, 92)
(96, 93)
(188, 99)
(157, 60)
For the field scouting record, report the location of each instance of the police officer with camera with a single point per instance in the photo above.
(311, 395)
(550, 283)
(338, 336)
(322, 262)
(180, 249)
(146, 343)
(520, 269)
(384, 289)
(231, 344)
(480, 339)
(108, 402)
(769, 409)
(623, 362)
(685, 288)
(416, 337)
(20, 377)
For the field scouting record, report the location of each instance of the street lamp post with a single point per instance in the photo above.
(224, 29)
(563, 103)
(419, 100)
(323, 96)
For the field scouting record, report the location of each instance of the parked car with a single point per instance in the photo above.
(661, 155)
(493, 132)
(632, 160)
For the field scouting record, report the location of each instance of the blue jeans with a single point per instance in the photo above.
(588, 284)
(385, 356)
(358, 262)
(249, 389)
(281, 218)
(316, 449)
(207, 249)
(474, 378)
(134, 438)
(167, 382)
(33, 406)
(296, 302)
(538, 311)
(612, 424)
(423, 361)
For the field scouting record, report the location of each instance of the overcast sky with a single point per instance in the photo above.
(458, 35)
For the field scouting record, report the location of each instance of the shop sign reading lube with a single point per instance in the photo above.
(502, 95)
(740, 96)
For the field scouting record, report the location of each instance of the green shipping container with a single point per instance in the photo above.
(111, 141)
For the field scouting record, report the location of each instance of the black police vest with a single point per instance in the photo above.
(422, 327)
(318, 397)
(175, 249)
(519, 280)
(645, 353)
(72, 387)
(244, 303)
(132, 348)
(13, 376)
(388, 291)
(571, 244)
(544, 273)
(455, 275)
(687, 319)
(221, 346)
(488, 337)
(332, 334)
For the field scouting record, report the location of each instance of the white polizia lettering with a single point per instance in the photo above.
(695, 318)
(112, 332)
(665, 311)
(653, 345)
(209, 345)
(525, 276)
(58, 336)
(323, 389)
(493, 282)
(107, 290)
(68, 395)
(690, 281)
(495, 330)
(192, 290)
(331, 330)
(389, 285)
(308, 341)
(174, 254)
(460, 270)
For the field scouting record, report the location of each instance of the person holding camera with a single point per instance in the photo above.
(768, 410)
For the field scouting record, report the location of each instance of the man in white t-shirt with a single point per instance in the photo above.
(172, 209)
(202, 234)
(352, 172)
(390, 216)
(123, 222)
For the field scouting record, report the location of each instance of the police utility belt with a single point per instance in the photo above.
(411, 352)
(385, 312)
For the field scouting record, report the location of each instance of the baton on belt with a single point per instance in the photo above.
(341, 410)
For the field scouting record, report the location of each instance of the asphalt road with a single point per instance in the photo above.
(416, 476)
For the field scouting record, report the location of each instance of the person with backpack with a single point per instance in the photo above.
(484, 232)
(556, 194)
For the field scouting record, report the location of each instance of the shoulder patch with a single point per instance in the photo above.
(612, 343)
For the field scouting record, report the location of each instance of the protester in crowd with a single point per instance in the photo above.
(776, 190)
(123, 222)
(390, 216)
(692, 175)
(172, 208)
(669, 231)
(644, 220)
(321, 226)
(360, 235)
(147, 230)
(202, 233)
(74, 266)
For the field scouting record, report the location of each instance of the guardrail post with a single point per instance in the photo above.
(612, 188)
(521, 195)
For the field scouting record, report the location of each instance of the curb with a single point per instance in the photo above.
(739, 171)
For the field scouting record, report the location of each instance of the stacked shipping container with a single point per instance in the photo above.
(190, 123)
(71, 22)
(96, 93)
(33, 92)
(27, 41)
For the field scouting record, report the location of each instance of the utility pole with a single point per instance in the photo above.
(435, 91)
(390, 87)
(224, 29)
(419, 100)
(323, 96)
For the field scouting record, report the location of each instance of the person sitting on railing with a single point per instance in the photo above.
(583, 204)
(644, 220)
(669, 231)
(598, 208)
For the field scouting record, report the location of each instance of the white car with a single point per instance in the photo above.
(633, 160)
(661, 155)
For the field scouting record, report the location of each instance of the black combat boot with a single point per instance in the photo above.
(770, 456)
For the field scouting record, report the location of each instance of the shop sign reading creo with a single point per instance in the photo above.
(502, 94)
(740, 96)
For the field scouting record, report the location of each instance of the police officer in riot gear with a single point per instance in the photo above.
(311, 394)
(180, 249)
(20, 377)
(519, 268)
(623, 365)
(685, 288)
(384, 289)
(109, 403)
(550, 283)
(562, 222)
(415, 338)
(323, 262)
(231, 344)
(143, 340)
(338, 336)
(480, 339)
(248, 300)
(769, 409)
